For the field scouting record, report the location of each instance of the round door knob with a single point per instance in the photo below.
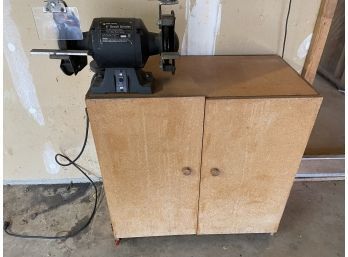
(215, 172)
(186, 171)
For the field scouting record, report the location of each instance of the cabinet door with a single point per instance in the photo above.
(149, 151)
(252, 149)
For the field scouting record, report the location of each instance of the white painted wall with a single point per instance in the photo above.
(44, 109)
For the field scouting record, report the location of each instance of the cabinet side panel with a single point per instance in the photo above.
(142, 147)
(257, 145)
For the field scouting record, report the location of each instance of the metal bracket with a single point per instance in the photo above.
(168, 2)
(54, 6)
(166, 20)
(58, 52)
(169, 55)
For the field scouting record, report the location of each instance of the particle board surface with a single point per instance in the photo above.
(257, 144)
(142, 146)
(226, 76)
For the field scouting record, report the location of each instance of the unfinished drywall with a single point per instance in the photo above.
(44, 109)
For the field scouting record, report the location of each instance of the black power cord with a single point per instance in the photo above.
(71, 233)
(286, 28)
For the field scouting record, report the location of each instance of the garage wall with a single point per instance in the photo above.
(44, 109)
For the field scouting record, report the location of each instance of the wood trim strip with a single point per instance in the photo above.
(320, 33)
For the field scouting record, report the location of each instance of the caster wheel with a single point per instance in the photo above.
(117, 242)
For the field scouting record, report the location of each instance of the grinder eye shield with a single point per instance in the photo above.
(64, 25)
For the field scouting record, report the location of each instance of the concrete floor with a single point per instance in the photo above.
(328, 133)
(312, 225)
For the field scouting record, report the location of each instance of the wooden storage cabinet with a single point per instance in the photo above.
(214, 151)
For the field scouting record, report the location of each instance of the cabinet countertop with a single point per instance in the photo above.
(225, 76)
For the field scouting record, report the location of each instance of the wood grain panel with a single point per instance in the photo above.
(226, 76)
(142, 146)
(257, 144)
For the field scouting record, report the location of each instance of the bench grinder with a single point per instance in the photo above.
(119, 47)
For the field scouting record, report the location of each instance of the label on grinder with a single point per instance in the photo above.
(116, 32)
